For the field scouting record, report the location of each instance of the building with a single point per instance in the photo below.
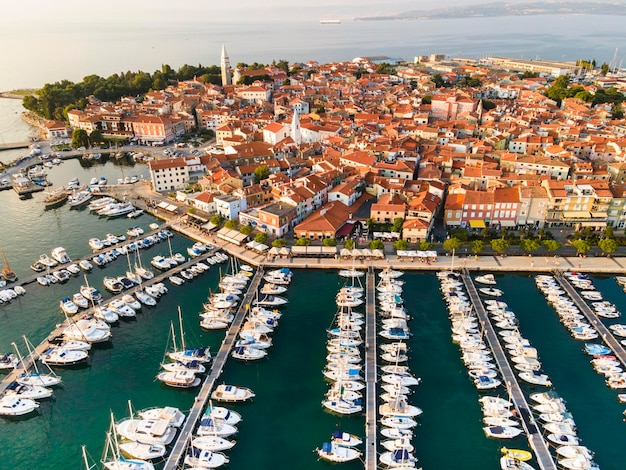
(388, 208)
(274, 219)
(229, 207)
(325, 222)
(168, 174)
(225, 66)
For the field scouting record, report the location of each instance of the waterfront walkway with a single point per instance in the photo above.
(370, 370)
(535, 438)
(180, 446)
(609, 339)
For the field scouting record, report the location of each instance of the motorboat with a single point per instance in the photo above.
(85, 265)
(279, 276)
(142, 450)
(396, 433)
(222, 414)
(179, 378)
(96, 244)
(212, 443)
(47, 261)
(91, 293)
(535, 378)
(11, 405)
(113, 285)
(399, 443)
(486, 279)
(272, 289)
(119, 307)
(246, 353)
(214, 427)
(502, 432)
(145, 299)
(68, 306)
(173, 415)
(343, 406)
(60, 255)
(484, 382)
(399, 422)
(231, 393)
(199, 458)
(131, 302)
(32, 392)
(58, 356)
(351, 273)
(177, 281)
(563, 439)
(149, 431)
(511, 463)
(490, 291)
(345, 439)
(337, 453)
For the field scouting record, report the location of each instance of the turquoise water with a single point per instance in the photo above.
(286, 421)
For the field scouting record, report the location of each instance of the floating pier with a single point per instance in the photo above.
(535, 438)
(370, 370)
(603, 331)
(180, 446)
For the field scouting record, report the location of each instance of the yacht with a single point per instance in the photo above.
(32, 392)
(175, 417)
(47, 261)
(113, 285)
(68, 306)
(142, 450)
(214, 427)
(11, 405)
(502, 432)
(212, 443)
(337, 453)
(486, 279)
(150, 431)
(199, 458)
(79, 199)
(58, 356)
(179, 378)
(85, 265)
(231, 393)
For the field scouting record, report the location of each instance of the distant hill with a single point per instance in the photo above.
(495, 9)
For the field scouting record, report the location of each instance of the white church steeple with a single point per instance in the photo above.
(225, 65)
(295, 134)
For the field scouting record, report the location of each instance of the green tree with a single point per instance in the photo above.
(260, 173)
(80, 138)
(329, 242)
(349, 244)
(400, 245)
(376, 245)
(550, 245)
(427, 98)
(500, 245)
(370, 224)
(246, 229)
(477, 246)
(424, 245)
(302, 241)
(261, 237)
(618, 111)
(279, 243)
(604, 68)
(95, 138)
(397, 224)
(216, 220)
(488, 105)
(608, 232)
(452, 244)
(582, 246)
(232, 224)
(529, 245)
(607, 245)
(459, 233)
(438, 80)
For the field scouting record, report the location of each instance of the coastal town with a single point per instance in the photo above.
(303, 151)
(340, 155)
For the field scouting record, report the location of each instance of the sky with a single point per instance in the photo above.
(146, 10)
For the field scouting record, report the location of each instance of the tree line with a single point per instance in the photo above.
(54, 100)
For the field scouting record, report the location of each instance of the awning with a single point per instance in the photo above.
(256, 246)
(208, 226)
(596, 223)
(575, 215)
(232, 236)
(507, 223)
(477, 224)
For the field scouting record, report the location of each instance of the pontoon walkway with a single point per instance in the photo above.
(535, 438)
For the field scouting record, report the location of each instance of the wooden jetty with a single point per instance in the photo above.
(370, 370)
(509, 379)
(618, 350)
(180, 446)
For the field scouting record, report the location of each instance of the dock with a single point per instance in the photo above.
(618, 350)
(533, 433)
(29, 359)
(370, 371)
(15, 145)
(195, 415)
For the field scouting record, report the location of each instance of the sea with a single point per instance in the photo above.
(89, 46)
(285, 423)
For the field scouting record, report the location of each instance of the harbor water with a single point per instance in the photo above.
(286, 422)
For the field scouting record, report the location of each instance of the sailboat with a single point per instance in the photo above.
(185, 354)
(7, 272)
(112, 458)
(35, 377)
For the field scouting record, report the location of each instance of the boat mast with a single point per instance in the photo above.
(182, 332)
(19, 356)
(86, 459)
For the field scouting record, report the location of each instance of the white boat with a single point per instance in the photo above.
(222, 414)
(231, 393)
(179, 378)
(502, 432)
(150, 431)
(490, 291)
(345, 439)
(96, 244)
(145, 298)
(272, 289)
(398, 422)
(246, 353)
(57, 356)
(350, 273)
(85, 265)
(215, 427)
(198, 458)
(487, 279)
(563, 439)
(173, 415)
(32, 392)
(399, 458)
(183, 353)
(510, 463)
(79, 198)
(131, 302)
(399, 443)
(535, 378)
(119, 307)
(212, 443)
(337, 453)
(68, 306)
(177, 281)
(11, 405)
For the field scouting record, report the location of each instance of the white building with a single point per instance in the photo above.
(229, 206)
(169, 174)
